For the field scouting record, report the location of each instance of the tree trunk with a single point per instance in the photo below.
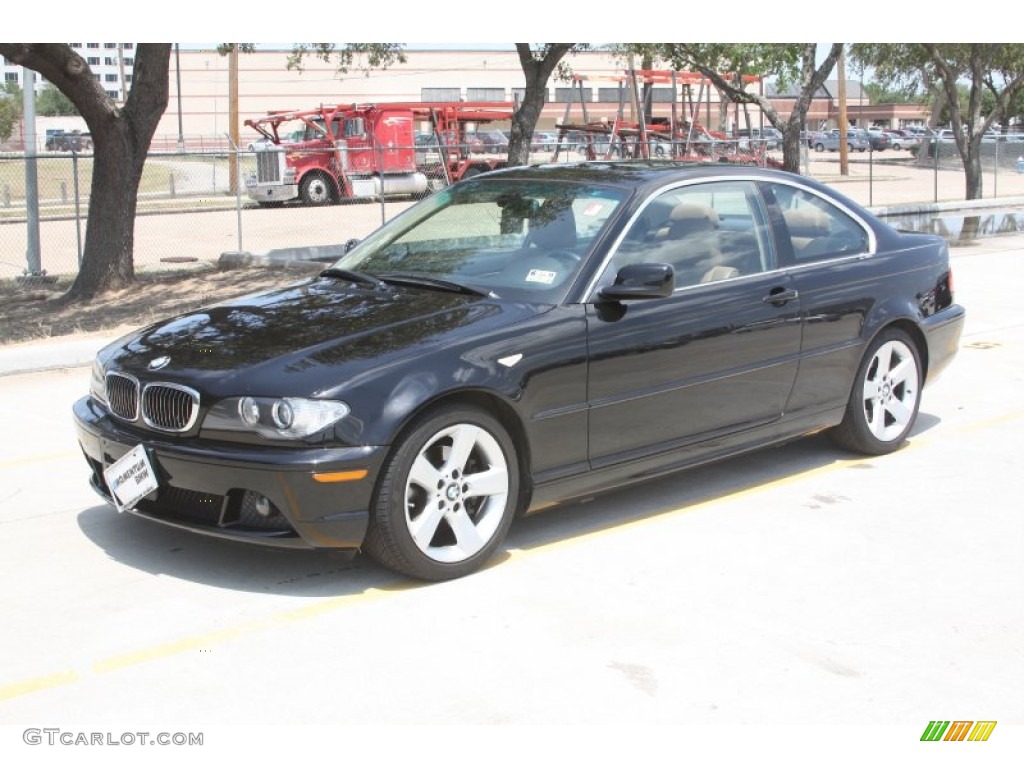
(121, 137)
(792, 144)
(107, 259)
(537, 72)
(972, 170)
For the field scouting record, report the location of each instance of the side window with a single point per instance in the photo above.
(816, 228)
(706, 232)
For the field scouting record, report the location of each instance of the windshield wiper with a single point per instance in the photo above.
(355, 277)
(407, 278)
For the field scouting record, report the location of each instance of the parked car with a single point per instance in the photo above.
(68, 141)
(767, 137)
(901, 139)
(829, 140)
(491, 141)
(261, 143)
(523, 338)
(544, 141)
(878, 141)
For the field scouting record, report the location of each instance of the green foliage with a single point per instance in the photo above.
(879, 94)
(368, 56)
(10, 109)
(52, 103)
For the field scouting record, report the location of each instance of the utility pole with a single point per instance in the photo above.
(177, 68)
(233, 114)
(844, 150)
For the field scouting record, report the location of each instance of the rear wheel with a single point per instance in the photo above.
(819, 147)
(447, 496)
(885, 398)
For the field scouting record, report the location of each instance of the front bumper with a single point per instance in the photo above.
(272, 193)
(211, 489)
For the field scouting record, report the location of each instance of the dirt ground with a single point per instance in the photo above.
(37, 313)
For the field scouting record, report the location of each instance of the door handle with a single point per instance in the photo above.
(779, 296)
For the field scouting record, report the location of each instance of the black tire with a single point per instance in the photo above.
(819, 147)
(470, 173)
(886, 396)
(316, 189)
(428, 521)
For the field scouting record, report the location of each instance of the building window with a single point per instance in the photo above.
(518, 94)
(611, 95)
(129, 61)
(127, 46)
(113, 94)
(662, 95)
(441, 94)
(485, 94)
(92, 45)
(93, 61)
(75, 45)
(108, 61)
(563, 95)
(110, 45)
(110, 78)
(127, 78)
(10, 77)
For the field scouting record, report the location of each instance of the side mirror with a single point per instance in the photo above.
(640, 281)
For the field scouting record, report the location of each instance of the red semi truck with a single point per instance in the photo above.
(352, 151)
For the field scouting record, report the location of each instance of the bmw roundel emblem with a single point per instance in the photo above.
(157, 363)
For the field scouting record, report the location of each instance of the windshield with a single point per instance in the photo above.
(515, 239)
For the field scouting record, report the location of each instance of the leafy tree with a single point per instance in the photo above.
(10, 109)
(788, 62)
(992, 69)
(121, 136)
(52, 103)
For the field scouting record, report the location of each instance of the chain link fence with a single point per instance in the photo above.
(195, 206)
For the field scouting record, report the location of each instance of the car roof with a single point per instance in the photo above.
(635, 174)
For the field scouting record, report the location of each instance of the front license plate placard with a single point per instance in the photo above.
(130, 478)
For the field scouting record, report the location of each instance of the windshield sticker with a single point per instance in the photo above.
(541, 276)
(593, 209)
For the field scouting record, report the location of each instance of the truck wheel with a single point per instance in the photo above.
(315, 190)
(470, 173)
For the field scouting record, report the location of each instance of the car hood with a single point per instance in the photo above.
(304, 338)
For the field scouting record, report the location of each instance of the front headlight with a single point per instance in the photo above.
(98, 383)
(275, 418)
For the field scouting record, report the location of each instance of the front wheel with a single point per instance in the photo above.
(447, 496)
(819, 147)
(885, 398)
(315, 190)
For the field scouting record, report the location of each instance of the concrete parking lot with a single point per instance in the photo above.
(787, 598)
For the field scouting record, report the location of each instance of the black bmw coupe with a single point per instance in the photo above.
(528, 336)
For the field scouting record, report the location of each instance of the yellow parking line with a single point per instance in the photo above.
(23, 460)
(321, 607)
(35, 684)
